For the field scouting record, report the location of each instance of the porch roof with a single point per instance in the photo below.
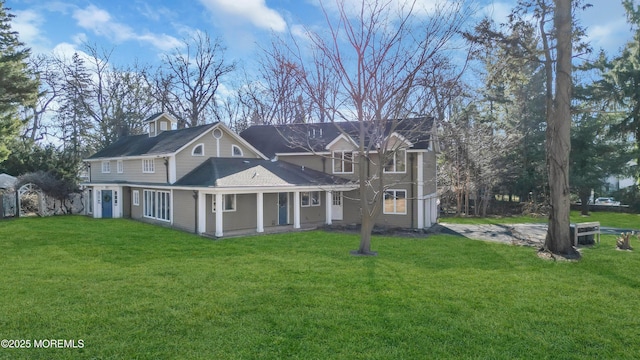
(242, 172)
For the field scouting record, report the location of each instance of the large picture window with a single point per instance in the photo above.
(157, 205)
(228, 203)
(342, 162)
(395, 202)
(397, 162)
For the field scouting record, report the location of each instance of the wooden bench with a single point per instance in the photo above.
(588, 228)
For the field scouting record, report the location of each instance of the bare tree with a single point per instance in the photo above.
(377, 54)
(188, 83)
(50, 87)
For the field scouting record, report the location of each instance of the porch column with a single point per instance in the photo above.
(328, 202)
(202, 212)
(259, 211)
(219, 211)
(420, 190)
(296, 209)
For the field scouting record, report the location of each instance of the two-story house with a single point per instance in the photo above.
(212, 181)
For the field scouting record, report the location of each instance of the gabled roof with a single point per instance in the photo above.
(241, 172)
(294, 138)
(160, 114)
(166, 142)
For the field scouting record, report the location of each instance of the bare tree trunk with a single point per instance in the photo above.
(558, 238)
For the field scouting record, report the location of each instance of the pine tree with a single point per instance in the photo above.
(18, 88)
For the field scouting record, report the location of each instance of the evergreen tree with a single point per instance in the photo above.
(17, 87)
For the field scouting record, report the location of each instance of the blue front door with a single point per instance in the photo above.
(107, 207)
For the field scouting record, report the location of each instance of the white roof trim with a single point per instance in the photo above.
(402, 138)
(228, 131)
(338, 138)
(171, 118)
(234, 189)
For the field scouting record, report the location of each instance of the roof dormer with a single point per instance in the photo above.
(160, 122)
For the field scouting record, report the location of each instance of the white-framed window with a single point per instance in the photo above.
(120, 166)
(309, 198)
(236, 150)
(157, 205)
(395, 202)
(106, 166)
(343, 162)
(397, 162)
(198, 150)
(228, 203)
(136, 197)
(163, 125)
(148, 166)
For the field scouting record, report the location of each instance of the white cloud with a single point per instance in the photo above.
(497, 11)
(100, 22)
(27, 23)
(352, 8)
(255, 11)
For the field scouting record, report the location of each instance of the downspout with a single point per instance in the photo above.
(324, 164)
(195, 201)
(166, 167)
(413, 183)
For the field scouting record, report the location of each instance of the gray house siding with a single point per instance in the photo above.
(184, 210)
(136, 210)
(132, 171)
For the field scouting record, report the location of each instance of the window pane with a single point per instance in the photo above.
(401, 202)
(400, 161)
(305, 198)
(315, 198)
(348, 162)
(230, 202)
(388, 202)
(337, 162)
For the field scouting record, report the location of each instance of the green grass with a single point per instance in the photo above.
(610, 219)
(136, 291)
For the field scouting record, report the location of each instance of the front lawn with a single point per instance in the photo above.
(131, 290)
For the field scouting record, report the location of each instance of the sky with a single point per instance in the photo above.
(144, 30)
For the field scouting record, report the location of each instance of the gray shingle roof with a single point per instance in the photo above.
(239, 172)
(165, 143)
(290, 138)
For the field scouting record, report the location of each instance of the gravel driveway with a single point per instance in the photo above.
(517, 234)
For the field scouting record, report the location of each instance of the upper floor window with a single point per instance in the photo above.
(148, 166)
(198, 150)
(395, 202)
(106, 167)
(342, 162)
(397, 162)
(120, 166)
(236, 151)
(163, 125)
